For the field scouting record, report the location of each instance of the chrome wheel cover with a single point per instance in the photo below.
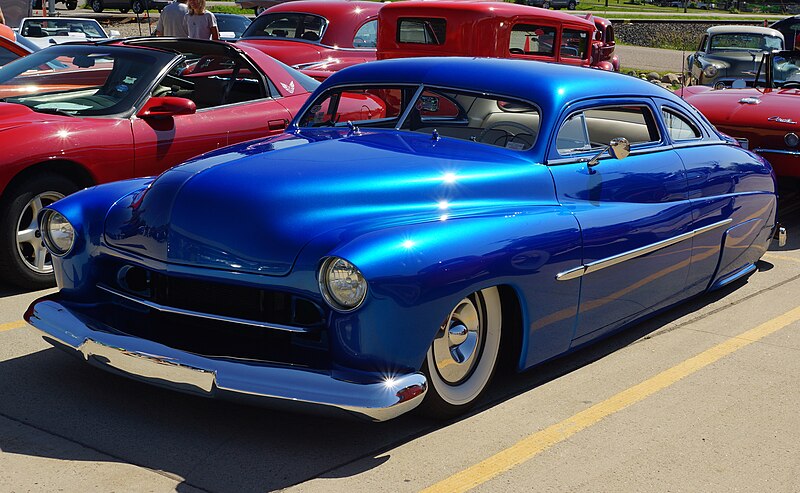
(30, 246)
(456, 346)
(462, 356)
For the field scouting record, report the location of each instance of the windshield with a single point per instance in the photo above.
(41, 28)
(442, 113)
(235, 24)
(287, 25)
(81, 80)
(744, 42)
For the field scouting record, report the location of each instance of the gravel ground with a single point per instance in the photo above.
(133, 28)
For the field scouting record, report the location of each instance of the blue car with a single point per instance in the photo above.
(420, 222)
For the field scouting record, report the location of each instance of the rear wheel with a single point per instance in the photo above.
(463, 355)
(23, 259)
(97, 5)
(546, 5)
(571, 5)
(137, 6)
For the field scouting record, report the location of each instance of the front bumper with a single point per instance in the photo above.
(180, 370)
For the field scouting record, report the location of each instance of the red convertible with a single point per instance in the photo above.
(308, 32)
(76, 115)
(765, 118)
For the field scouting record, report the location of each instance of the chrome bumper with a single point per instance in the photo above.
(179, 370)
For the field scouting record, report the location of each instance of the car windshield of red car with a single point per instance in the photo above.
(81, 80)
(292, 25)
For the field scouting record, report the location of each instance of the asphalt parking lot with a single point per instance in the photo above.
(702, 398)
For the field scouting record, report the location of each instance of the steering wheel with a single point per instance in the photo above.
(507, 137)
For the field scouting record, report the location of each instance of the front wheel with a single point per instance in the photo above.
(571, 5)
(24, 261)
(97, 6)
(463, 355)
(546, 5)
(137, 6)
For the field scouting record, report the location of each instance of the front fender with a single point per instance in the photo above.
(86, 211)
(417, 273)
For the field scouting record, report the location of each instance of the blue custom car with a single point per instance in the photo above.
(374, 257)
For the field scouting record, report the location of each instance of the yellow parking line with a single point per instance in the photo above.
(529, 447)
(13, 325)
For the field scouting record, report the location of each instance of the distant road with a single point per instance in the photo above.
(642, 58)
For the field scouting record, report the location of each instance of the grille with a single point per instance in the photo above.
(206, 335)
(221, 299)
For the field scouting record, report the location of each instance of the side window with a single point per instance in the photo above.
(421, 31)
(594, 128)
(679, 127)
(7, 56)
(212, 80)
(367, 35)
(574, 44)
(529, 39)
(703, 41)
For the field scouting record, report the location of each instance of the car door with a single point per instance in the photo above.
(235, 102)
(632, 212)
(695, 60)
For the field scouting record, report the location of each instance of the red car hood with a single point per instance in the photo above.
(13, 115)
(745, 107)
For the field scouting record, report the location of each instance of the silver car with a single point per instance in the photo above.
(728, 53)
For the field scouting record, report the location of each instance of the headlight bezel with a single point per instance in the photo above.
(330, 297)
(711, 71)
(50, 243)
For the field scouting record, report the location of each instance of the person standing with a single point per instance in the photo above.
(5, 31)
(172, 21)
(201, 23)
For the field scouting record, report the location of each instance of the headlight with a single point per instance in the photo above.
(57, 232)
(710, 71)
(342, 284)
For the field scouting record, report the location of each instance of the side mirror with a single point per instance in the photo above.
(618, 148)
(167, 107)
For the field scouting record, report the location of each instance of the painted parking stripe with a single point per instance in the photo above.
(12, 325)
(531, 446)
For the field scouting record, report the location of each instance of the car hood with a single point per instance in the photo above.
(13, 115)
(253, 207)
(745, 107)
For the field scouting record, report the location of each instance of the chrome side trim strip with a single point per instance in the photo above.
(208, 316)
(777, 151)
(597, 265)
